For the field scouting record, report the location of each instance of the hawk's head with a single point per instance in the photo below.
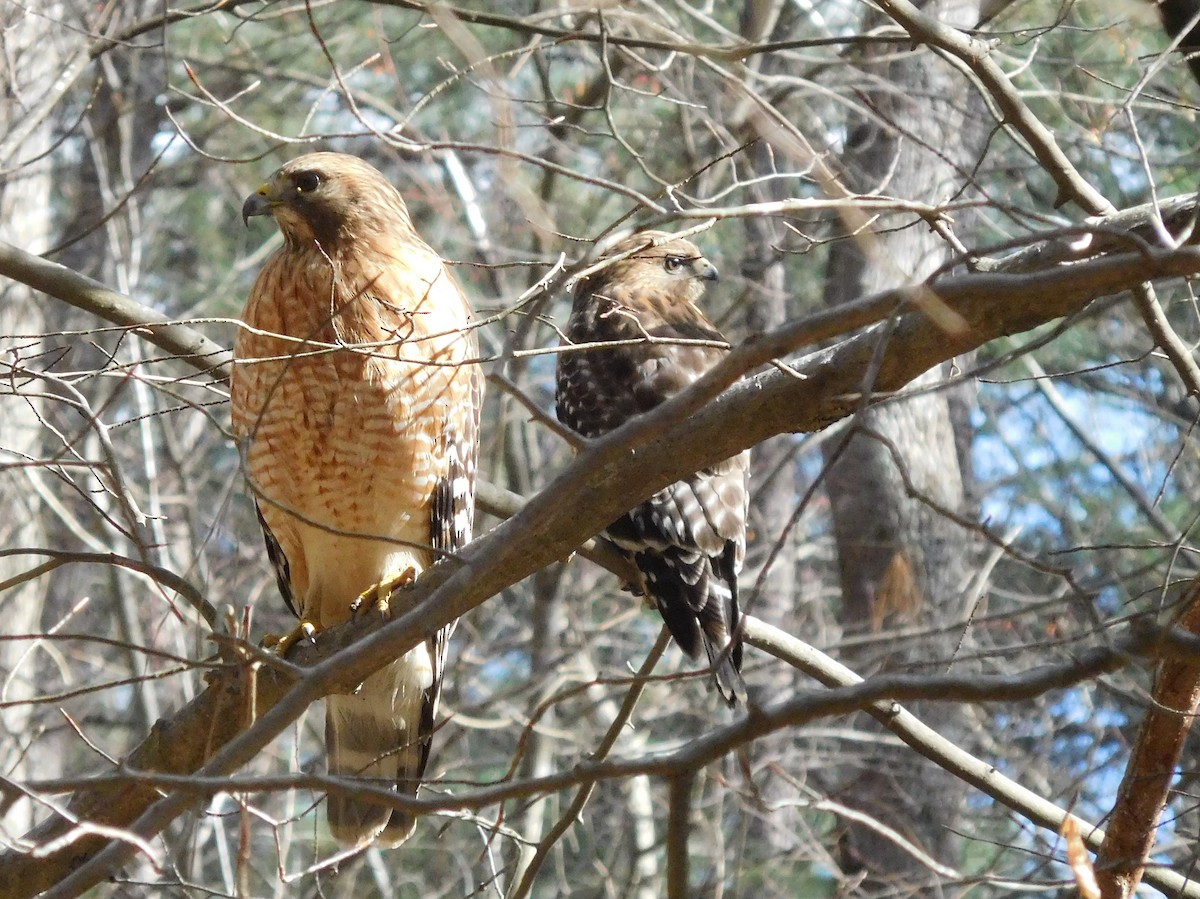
(330, 198)
(655, 264)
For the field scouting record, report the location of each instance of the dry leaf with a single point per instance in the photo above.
(1080, 860)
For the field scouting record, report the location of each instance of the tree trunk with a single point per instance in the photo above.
(902, 563)
(33, 48)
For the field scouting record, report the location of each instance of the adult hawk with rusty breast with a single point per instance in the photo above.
(356, 402)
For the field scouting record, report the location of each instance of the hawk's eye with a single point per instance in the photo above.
(674, 263)
(307, 182)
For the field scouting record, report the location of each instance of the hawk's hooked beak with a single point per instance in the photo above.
(705, 270)
(258, 203)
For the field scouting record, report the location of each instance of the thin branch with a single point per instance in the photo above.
(1049, 391)
(976, 55)
(601, 752)
(948, 754)
(679, 815)
(1167, 338)
(157, 574)
(528, 25)
(83, 293)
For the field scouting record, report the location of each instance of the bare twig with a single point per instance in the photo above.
(529, 875)
(83, 293)
(1072, 186)
(948, 754)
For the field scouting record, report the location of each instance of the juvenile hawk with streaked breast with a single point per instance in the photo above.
(689, 539)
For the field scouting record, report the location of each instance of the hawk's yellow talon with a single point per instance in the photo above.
(380, 594)
(282, 645)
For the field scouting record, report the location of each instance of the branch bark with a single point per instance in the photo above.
(1145, 788)
(82, 292)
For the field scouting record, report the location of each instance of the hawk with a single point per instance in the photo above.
(687, 540)
(356, 405)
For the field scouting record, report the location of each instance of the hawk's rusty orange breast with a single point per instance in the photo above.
(342, 435)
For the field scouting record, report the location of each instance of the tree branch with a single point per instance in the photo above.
(976, 55)
(949, 755)
(848, 692)
(679, 813)
(1015, 113)
(530, 26)
(1145, 788)
(91, 296)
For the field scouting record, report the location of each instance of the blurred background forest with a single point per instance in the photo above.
(1024, 510)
